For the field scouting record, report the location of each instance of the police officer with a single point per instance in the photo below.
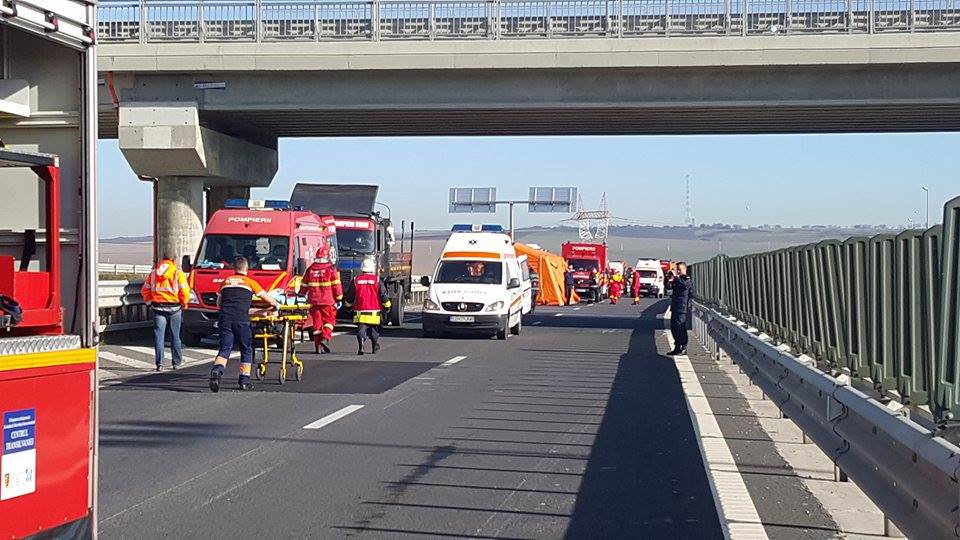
(568, 286)
(680, 309)
(236, 297)
(367, 296)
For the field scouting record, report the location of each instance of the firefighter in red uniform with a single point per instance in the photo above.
(636, 287)
(367, 296)
(324, 294)
(616, 287)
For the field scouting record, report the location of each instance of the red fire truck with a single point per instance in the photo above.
(590, 268)
(277, 239)
(48, 281)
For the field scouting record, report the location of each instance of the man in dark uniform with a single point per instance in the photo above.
(568, 286)
(680, 309)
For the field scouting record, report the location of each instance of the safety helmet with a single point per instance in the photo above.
(368, 266)
(323, 254)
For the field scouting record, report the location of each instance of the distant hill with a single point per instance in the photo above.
(128, 240)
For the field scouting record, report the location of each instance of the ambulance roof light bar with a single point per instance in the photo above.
(476, 227)
(257, 204)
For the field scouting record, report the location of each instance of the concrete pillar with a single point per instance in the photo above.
(179, 215)
(218, 195)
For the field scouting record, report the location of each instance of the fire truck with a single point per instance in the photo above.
(278, 240)
(48, 281)
(590, 267)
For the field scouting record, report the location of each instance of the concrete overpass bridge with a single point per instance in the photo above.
(203, 90)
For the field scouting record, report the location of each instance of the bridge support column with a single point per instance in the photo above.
(217, 196)
(167, 142)
(179, 215)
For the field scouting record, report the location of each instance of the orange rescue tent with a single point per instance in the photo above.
(551, 269)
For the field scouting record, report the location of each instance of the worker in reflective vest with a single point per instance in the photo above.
(167, 293)
(368, 297)
(324, 294)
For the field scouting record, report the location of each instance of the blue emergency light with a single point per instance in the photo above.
(476, 227)
(257, 204)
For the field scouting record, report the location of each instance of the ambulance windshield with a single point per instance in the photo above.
(218, 251)
(481, 272)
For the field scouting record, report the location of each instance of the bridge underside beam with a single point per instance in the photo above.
(782, 99)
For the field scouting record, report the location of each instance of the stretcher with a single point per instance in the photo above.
(279, 327)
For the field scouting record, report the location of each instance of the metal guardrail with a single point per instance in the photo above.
(910, 474)
(311, 20)
(883, 310)
(137, 269)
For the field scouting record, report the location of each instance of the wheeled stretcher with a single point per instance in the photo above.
(280, 328)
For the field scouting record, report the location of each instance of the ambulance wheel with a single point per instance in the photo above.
(517, 328)
(504, 332)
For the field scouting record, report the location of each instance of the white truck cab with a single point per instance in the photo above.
(478, 285)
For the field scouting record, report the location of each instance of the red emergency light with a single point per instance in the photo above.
(37, 292)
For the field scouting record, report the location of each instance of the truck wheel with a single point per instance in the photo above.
(396, 311)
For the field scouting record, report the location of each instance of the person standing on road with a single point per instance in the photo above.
(167, 293)
(568, 286)
(368, 297)
(616, 287)
(324, 294)
(236, 297)
(680, 309)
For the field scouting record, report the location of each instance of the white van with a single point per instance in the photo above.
(651, 277)
(477, 287)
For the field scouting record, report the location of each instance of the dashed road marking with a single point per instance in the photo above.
(735, 508)
(331, 418)
(576, 309)
(559, 315)
(453, 361)
(537, 323)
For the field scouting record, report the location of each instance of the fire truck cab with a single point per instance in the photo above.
(277, 239)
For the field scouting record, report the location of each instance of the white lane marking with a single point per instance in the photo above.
(576, 309)
(736, 510)
(104, 375)
(191, 357)
(665, 315)
(124, 361)
(241, 484)
(537, 323)
(453, 361)
(559, 315)
(331, 418)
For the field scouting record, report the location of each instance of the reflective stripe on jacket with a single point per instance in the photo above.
(166, 284)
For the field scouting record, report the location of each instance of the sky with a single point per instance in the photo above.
(748, 180)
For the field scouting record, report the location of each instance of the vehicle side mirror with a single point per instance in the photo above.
(301, 268)
(514, 283)
(185, 264)
(425, 281)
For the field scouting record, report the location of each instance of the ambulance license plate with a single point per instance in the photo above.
(461, 318)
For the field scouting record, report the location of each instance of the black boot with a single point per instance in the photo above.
(376, 347)
(324, 349)
(245, 383)
(674, 352)
(215, 375)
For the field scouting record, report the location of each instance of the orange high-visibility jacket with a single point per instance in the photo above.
(166, 284)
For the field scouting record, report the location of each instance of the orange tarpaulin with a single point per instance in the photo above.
(551, 268)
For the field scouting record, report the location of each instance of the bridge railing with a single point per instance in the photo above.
(144, 21)
(884, 311)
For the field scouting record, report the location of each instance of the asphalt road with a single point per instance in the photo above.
(578, 428)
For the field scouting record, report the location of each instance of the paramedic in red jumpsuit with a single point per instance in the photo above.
(324, 293)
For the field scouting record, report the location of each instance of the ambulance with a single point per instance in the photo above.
(278, 240)
(480, 285)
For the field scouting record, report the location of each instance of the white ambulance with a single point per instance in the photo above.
(479, 285)
(651, 278)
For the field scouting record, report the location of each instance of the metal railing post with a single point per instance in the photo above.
(143, 22)
(621, 19)
(201, 32)
(606, 17)
(375, 20)
(870, 23)
(911, 24)
(498, 19)
(316, 21)
(850, 16)
(547, 23)
(431, 22)
(744, 18)
(490, 9)
(666, 17)
(787, 16)
(727, 23)
(258, 20)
